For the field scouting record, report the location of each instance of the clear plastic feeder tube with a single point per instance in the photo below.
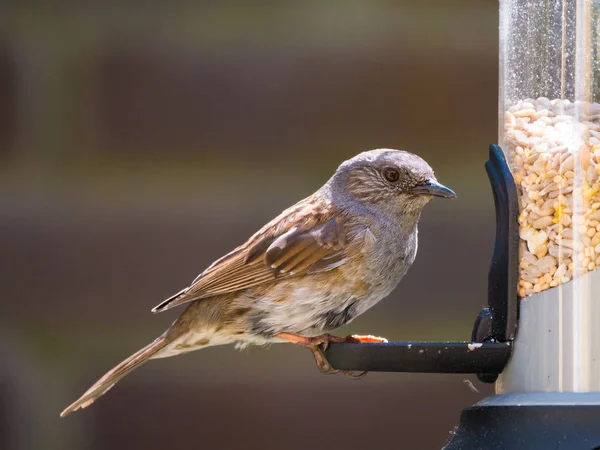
(549, 130)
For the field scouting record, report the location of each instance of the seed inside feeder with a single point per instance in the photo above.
(553, 150)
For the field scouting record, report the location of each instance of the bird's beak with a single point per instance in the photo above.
(432, 187)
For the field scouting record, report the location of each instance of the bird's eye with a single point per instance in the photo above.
(392, 175)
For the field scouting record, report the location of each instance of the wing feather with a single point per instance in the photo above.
(304, 239)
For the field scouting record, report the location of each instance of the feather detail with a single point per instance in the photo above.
(309, 237)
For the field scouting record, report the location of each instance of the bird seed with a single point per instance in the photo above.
(553, 150)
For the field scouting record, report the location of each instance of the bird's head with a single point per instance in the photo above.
(394, 179)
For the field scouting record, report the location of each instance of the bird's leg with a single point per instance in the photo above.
(314, 345)
(318, 343)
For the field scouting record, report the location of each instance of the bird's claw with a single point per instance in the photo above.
(324, 340)
(355, 375)
(322, 363)
(319, 344)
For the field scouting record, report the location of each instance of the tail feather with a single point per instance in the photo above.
(114, 375)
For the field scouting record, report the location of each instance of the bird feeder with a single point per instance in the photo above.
(539, 337)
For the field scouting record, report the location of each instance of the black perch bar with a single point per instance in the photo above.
(423, 357)
(495, 326)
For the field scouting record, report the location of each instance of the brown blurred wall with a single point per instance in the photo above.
(140, 143)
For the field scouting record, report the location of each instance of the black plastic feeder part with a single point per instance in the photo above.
(530, 425)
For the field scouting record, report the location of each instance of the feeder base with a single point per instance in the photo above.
(565, 421)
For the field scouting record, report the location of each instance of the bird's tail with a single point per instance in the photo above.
(114, 375)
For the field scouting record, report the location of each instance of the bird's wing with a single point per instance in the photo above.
(307, 238)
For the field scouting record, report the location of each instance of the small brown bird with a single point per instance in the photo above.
(314, 268)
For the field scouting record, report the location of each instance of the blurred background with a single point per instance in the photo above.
(140, 143)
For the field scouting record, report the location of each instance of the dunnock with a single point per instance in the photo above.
(315, 267)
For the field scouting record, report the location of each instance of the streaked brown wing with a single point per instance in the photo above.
(303, 239)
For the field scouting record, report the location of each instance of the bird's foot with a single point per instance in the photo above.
(364, 339)
(318, 344)
(322, 363)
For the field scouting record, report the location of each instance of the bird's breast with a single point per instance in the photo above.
(389, 255)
